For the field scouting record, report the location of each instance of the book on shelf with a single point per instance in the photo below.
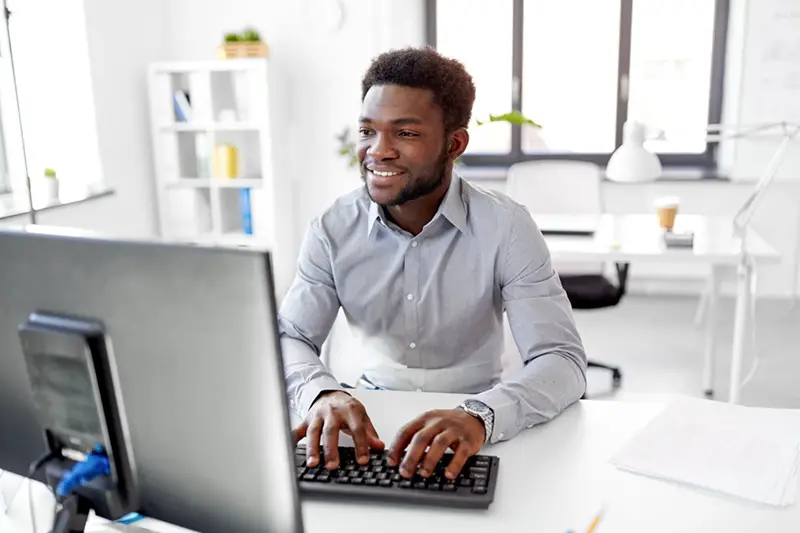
(183, 106)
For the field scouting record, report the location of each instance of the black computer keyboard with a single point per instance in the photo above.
(473, 488)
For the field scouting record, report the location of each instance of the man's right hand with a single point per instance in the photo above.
(330, 413)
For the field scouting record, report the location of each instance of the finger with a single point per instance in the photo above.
(458, 461)
(375, 441)
(330, 437)
(402, 439)
(300, 432)
(358, 430)
(312, 445)
(438, 446)
(416, 450)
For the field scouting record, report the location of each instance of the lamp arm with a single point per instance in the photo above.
(742, 218)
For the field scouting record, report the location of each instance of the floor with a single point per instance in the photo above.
(661, 351)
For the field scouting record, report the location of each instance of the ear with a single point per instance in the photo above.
(457, 143)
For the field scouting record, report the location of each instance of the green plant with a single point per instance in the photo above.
(232, 38)
(49, 173)
(515, 118)
(251, 35)
(347, 147)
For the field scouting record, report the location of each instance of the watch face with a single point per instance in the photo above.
(476, 406)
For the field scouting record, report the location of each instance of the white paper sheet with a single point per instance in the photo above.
(747, 452)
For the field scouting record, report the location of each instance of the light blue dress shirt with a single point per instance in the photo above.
(428, 309)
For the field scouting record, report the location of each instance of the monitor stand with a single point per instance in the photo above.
(72, 516)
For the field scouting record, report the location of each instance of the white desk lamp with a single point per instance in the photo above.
(741, 224)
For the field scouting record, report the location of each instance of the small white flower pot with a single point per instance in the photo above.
(50, 189)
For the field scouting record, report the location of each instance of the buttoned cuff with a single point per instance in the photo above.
(505, 413)
(313, 389)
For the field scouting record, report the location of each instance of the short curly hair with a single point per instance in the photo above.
(425, 68)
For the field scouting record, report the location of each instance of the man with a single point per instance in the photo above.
(424, 264)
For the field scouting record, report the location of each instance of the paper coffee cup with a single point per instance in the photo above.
(667, 210)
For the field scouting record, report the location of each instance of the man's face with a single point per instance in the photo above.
(402, 147)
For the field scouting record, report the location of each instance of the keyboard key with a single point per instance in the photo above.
(406, 484)
(484, 462)
(299, 460)
(350, 467)
(363, 468)
(368, 475)
(420, 485)
(357, 481)
(300, 470)
(343, 480)
(354, 473)
(434, 486)
(449, 487)
(385, 483)
(324, 478)
(479, 470)
(478, 475)
(371, 482)
(382, 476)
(481, 482)
(465, 482)
(479, 490)
(379, 469)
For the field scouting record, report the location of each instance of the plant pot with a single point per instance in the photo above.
(242, 50)
(50, 189)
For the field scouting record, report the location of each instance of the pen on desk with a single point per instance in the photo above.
(594, 523)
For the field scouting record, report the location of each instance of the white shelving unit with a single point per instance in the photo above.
(229, 105)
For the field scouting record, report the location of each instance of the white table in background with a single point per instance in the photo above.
(636, 238)
(552, 478)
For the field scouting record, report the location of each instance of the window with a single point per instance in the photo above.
(582, 68)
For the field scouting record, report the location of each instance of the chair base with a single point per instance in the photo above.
(616, 374)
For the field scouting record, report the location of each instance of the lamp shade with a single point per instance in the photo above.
(632, 162)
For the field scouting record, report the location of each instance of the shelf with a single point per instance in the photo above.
(211, 126)
(216, 183)
(227, 65)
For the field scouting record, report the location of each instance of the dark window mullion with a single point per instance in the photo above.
(623, 66)
(718, 50)
(516, 77)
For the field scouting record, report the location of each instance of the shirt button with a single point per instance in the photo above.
(412, 345)
(530, 426)
(500, 436)
(414, 244)
(409, 296)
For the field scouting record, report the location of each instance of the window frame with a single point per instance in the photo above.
(705, 160)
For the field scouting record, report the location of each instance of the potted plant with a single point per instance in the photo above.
(244, 44)
(50, 184)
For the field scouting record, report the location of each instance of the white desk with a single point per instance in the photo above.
(552, 478)
(636, 238)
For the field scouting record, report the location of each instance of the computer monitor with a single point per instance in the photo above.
(194, 336)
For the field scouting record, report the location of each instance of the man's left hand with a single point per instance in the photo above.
(439, 430)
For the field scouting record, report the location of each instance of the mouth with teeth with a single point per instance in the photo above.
(382, 178)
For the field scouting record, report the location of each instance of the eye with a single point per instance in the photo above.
(364, 132)
(408, 134)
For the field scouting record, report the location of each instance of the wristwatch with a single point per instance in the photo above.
(482, 411)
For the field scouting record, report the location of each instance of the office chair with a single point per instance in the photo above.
(571, 187)
(596, 291)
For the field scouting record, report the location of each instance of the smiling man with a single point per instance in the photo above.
(424, 265)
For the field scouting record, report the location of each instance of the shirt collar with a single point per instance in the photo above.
(452, 208)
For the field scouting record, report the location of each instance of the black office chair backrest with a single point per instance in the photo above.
(594, 291)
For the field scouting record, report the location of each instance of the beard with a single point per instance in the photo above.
(417, 185)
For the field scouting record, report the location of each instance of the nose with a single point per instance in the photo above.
(381, 148)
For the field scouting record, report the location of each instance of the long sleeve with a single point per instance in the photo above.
(304, 321)
(541, 321)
